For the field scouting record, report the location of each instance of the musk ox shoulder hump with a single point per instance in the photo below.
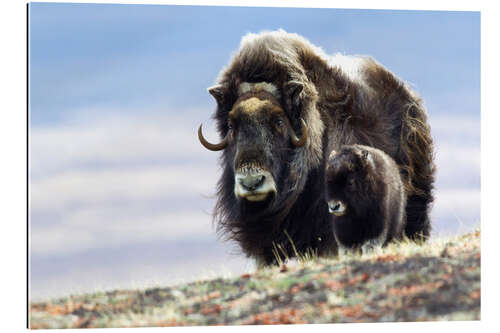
(279, 40)
(352, 66)
(278, 49)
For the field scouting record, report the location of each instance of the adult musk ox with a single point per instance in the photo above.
(282, 107)
(366, 198)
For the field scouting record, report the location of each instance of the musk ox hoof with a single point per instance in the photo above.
(371, 246)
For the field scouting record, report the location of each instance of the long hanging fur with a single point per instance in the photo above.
(344, 100)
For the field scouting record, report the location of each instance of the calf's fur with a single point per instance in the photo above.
(366, 197)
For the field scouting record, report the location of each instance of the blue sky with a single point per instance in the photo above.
(121, 191)
(122, 55)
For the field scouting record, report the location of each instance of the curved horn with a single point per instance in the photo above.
(303, 139)
(211, 146)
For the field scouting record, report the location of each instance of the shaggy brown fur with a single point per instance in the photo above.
(357, 101)
(365, 196)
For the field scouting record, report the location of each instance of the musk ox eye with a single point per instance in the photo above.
(280, 123)
(229, 125)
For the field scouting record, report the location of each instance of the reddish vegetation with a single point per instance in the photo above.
(389, 257)
(416, 289)
(334, 285)
(388, 287)
(278, 316)
(360, 278)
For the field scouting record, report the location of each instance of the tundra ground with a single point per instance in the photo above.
(439, 280)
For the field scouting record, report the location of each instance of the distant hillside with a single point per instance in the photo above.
(405, 282)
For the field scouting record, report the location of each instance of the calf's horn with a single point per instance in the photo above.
(211, 146)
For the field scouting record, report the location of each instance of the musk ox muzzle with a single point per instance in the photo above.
(255, 185)
(337, 207)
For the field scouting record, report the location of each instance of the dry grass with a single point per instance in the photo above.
(439, 280)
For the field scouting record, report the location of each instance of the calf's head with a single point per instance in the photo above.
(348, 180)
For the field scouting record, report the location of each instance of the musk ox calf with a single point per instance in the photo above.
(282, 107)
(366, 198)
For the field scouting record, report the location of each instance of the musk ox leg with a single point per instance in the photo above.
(260, 263)
(372, 245)
(347, 251)
(417, 212)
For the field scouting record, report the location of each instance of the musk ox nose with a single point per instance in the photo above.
(337, 208)
(254, 185)
(251, 182)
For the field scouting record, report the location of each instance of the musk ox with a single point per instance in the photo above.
(366, 198)
(282, 106)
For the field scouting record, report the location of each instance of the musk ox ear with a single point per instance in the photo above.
(217, 92)
(293, 91)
